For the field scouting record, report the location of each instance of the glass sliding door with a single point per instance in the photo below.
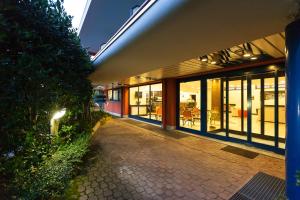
(256, 106)
(237, 111)
(190, 105)
(281, 112)
(263, 109)
(214, 106)
(145, 101)
(229, 101)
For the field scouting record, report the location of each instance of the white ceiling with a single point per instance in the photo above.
(194, 28)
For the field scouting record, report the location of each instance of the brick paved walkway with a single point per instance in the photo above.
(131, 162)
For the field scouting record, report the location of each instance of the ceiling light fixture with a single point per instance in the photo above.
(253, 58)
(247, 55)
(213, 62)
(204, 59)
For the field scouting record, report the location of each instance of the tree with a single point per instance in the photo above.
(42, 68)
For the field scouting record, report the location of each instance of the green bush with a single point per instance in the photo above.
(50, 178)
(97, 115)
(43, 69)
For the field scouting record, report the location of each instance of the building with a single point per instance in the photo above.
(222, 69)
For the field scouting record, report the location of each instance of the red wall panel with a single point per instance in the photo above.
(113, 106)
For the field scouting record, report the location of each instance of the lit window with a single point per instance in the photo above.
(110, 95)
(116, 95)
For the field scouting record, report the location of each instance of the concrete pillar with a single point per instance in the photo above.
(293, 109)
(169, 104)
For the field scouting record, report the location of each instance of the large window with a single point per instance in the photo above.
(114, 94)
(146, 101)
(110, 95)
(117, 95)
(233, 101)
(190, 106)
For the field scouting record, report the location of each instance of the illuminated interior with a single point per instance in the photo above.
(190, 105)
(146, 101)
(234, 98)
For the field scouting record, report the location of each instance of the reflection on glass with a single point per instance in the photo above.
(156, 102)
(134, 100)
(144, 101)
(214, 103)
(281, 112)
(190, 105)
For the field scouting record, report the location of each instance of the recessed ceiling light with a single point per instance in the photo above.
(213, 62)
(253, 58)
(204, 59)
(247, 55)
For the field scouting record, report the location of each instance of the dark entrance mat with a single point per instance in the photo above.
(262, 187)
(240, 152)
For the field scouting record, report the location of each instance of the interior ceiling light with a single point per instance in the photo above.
(253, 58)
(204, 59)
(213, 62)
(247, 55)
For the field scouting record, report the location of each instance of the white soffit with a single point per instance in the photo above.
(187, 29)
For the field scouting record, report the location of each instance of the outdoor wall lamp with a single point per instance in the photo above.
(54, 122)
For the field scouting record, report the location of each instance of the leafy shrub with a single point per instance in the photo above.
(97, 115)
(50, 178)
(43, 68)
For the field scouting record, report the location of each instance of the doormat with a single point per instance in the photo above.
(262, 187)
(240, 152)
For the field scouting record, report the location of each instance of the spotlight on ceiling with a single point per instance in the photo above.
(213, 62)
(204, 59)
(247, 55)
(253, 58)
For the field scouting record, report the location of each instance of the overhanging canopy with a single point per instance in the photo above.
(170, 33)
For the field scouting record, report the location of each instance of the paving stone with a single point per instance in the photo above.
(130, 162)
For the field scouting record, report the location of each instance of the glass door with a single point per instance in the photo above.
(237, 110)
(281, 112)
(263, 109)
(190, 105)
(214, 106)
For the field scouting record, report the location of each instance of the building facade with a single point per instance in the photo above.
(226, 70)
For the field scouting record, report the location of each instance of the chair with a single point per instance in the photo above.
(214, 116)
(187, 117)
(196, 112)
(158, 112)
